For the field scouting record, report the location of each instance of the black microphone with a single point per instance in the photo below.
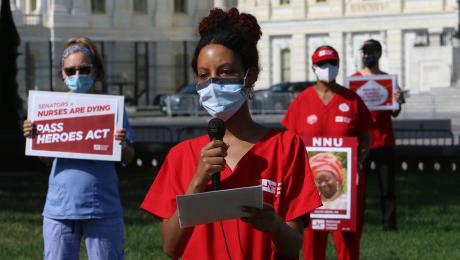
(216, 131)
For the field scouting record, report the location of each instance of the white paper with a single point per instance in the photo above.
(208, 207)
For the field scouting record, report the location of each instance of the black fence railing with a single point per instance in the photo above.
(137, 70)
(420, 147)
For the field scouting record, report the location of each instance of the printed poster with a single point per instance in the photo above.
(376, 91)
(72, 125)
(333, 163)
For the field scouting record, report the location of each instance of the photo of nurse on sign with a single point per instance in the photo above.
(330, 170)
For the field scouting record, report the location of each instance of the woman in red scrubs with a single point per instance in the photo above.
(226, 65)
(328, 109)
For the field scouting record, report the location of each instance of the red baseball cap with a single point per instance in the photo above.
(324, 53)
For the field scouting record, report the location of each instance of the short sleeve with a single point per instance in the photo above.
(300, 195)
(364, 117)
(160, 200)
(129, 130)
(289, 121)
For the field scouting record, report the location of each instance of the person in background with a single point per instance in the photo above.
(383, 141)
(226, 66)
(328, 173)
(328, 109)
(83, 198)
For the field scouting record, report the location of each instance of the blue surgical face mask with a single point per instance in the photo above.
(370, 61)
(222, 97)
(79, 84)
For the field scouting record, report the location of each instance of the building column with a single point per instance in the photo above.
(299, 57)
(348, 58)
(16, 12)
(299, 8)
(220, 4)
(336, 40)
(120, 12)
(263, 81)
(395, 54)
(78, 7)
(63, 13)
(80, 13)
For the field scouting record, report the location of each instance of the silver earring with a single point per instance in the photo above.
(250, 93)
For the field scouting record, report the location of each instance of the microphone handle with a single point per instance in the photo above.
(215, 181)
(215, 178)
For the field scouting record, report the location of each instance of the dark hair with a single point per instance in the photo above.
(238, 32)
(372, 45)
(87, 43)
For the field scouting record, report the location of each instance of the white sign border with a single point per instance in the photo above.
(394, 79)
(116, 156)
(348, 150)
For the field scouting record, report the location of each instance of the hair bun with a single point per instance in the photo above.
(219, 20)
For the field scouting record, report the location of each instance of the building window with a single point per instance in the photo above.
(421, 39)
(31, 69)
(140, 6)
(285, 65)
(446, 37)
(284, 2)
(98, 6)
(32, 6)
(180, 6)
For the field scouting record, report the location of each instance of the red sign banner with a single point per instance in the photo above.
(333, 163)
(376, 91)
(89, 134)
(71, 125)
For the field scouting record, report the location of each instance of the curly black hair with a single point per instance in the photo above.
(237, 31)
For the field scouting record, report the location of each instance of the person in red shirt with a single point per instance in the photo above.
(226, 65)
(328, 109)
(383, 141)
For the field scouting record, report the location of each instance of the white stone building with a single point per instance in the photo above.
(416, 36)
(147, 44)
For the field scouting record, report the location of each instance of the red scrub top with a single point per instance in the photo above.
(344, 115)
(382, 127)
(277, 161)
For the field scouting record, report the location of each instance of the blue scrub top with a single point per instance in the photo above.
(84, 189)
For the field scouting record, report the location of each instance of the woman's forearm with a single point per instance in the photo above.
(127, 154)
(174, 238)
(288, 238)
(46, 160)
(395, 113)
(364, 143)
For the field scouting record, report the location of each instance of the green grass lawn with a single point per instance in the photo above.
(428, 219)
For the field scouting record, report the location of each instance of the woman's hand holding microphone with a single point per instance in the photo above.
(211, 160)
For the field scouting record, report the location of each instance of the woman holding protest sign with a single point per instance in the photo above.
(83, 198)
(226, 65)
(327, 109)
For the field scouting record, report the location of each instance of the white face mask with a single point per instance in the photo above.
(327, 73)
(222, 97)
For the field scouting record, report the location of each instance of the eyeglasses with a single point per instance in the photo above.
(84, 69)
